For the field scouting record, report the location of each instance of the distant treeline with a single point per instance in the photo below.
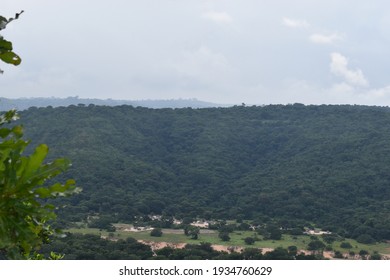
(25, 103)
(293, 165)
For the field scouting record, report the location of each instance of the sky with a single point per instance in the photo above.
(223, 51)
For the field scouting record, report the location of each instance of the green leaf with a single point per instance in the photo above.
(8, 116)
(42, 192)
(5, 46)
(11, 58)
(53, 169)
(34, 163)
(4, 132)
(18, 131)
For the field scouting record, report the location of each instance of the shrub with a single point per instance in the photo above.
(156, 232)
(249, 240)
(328, 248)
(365, 239)
(375, 256)
(345, 245)
(363, 253)
(224, 236)
(292, 250)
(315, 245)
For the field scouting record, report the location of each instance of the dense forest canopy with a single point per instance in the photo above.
(293, 165)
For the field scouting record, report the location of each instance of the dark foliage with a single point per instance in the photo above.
(92, 247)
(345, 245)
(156, 232)
(224, 236)
(249, 240)
(327, 165)
(316, 245)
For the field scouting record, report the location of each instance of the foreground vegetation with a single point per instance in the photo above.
(25, 211)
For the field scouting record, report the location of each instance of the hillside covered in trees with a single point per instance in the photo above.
(294, 165)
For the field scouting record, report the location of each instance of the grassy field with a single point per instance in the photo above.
(237, 239)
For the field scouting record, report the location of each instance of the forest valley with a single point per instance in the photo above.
(274, 170)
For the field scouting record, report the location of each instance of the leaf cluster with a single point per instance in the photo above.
(24, 212)
(6, 49)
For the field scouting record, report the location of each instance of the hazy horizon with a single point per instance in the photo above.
(225, 52)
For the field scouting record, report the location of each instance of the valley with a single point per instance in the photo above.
(175, 238)
(286, 168)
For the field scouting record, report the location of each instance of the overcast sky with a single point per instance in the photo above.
(224, 51)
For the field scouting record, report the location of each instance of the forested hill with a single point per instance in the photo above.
(294, 164)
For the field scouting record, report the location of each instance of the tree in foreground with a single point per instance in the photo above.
(24, 190)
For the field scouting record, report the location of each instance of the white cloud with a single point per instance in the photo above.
(295, 23)
(218, 17)
(318, 38)
(339, 67)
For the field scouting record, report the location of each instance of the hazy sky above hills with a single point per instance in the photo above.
(224, 51)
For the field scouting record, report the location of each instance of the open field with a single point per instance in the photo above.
(237, 239)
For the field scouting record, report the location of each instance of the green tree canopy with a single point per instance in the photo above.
(192, 231)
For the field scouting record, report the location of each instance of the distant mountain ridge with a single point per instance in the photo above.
(25, 103)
